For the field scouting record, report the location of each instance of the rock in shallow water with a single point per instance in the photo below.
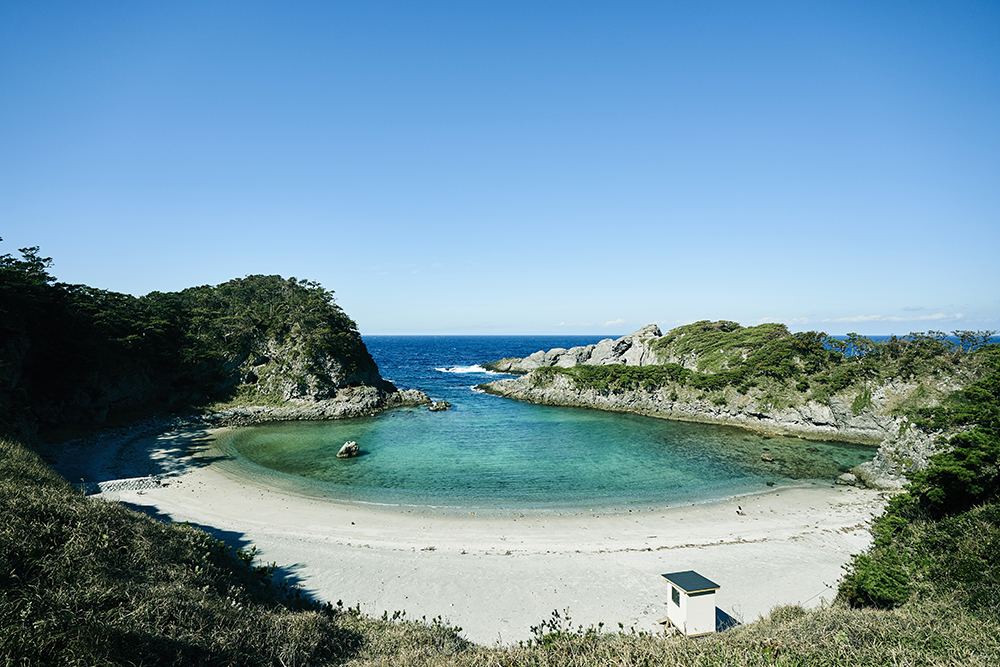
(349, 449)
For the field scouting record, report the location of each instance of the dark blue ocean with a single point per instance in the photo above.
(488, 452)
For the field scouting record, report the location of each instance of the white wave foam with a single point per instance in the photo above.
(467, 369)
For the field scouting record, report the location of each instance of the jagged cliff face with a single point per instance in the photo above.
(869, 414)
(290, 370)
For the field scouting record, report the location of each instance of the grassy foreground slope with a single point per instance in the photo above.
(85, 582)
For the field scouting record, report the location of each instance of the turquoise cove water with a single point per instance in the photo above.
(494, 453)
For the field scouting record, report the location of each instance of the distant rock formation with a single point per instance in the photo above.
(631, 350)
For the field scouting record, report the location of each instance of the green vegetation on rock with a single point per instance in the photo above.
(72, 353)
(790, 368)
(716, 345)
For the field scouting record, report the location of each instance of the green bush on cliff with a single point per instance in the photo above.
(969, 472)
(715, 343)
(943, 533)
(728, 355)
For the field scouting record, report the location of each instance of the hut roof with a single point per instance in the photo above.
(690, 581)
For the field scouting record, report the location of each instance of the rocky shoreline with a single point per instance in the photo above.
(834, 421)
(348, 402)
(901, 446)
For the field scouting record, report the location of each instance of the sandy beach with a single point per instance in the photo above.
(499, 574)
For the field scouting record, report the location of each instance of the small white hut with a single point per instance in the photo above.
(692, 603)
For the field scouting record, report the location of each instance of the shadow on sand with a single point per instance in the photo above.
(131, 453)
(287, 574)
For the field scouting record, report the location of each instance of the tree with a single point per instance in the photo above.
(971, 340)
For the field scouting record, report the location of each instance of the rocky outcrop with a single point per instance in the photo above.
(289, 370)
(349, 450)
(875, 421)
(348, 402)
(908, 451)
(631, 350)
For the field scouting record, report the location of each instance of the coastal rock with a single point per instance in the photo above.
(350, 449)
(293, 371)
(847, 479)
(905, 452)
(766, 458)
(751, 411)
(438, 406)
(632, 350)
(348, 402)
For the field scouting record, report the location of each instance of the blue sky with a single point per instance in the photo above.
(518, 167)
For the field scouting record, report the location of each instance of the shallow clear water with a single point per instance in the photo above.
(491, 452)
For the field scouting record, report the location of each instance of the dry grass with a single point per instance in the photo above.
(85, 582)
(930, 633)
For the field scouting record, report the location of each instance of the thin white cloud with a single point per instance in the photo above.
(895, 318)
(613, 323)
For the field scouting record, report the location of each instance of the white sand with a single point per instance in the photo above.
(496, 576)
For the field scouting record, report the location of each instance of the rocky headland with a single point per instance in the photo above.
(259, 348)
(870, 409)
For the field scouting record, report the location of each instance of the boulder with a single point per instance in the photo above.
(349, 449)
(848, 479)
(438, 406)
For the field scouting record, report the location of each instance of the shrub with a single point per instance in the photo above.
(877, 579)
(861, 401)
